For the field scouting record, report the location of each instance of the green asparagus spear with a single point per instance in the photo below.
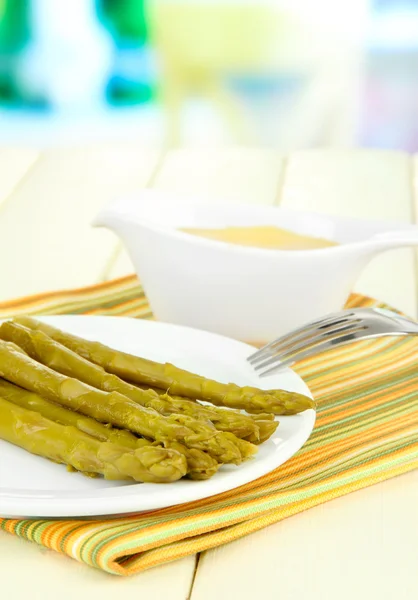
(226, 420)
(230, 419)
(44, 349)
(68, 445)
(64, 416)
(199, 464)
(113, 408)
(177, 381)
(256, 417)
(253, 428)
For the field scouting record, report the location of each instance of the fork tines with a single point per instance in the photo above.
(318, 335)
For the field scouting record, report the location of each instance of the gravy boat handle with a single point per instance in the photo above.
(396, 239)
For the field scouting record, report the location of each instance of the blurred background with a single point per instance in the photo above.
(283, 74)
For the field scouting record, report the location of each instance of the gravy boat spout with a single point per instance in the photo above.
(122, 223)
(253, 294)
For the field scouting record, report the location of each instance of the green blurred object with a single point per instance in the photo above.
(14, 25)
(14, 35)
(128, 18)
(132, 82)
(125, 93)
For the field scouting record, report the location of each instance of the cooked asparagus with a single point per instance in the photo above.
(229, 420)
(44, 349)
(177, 381)
(64, 416)
(116, 409)
(223, 419)
(68, 445)
(199, 464)
(161, 392)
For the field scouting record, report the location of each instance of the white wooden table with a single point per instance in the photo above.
(363, 545)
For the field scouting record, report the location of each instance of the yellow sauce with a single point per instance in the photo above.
(263, 236)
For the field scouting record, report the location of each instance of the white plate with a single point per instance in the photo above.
(31, 486)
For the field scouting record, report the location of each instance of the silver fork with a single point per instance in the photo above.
(326, 333)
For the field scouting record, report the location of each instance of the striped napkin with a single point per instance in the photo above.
(366, 431)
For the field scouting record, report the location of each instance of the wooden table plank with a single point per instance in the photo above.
(360, 546)
(14, 165)
(48, 575)
(364, 184)
(46, 239)
(232, 175)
